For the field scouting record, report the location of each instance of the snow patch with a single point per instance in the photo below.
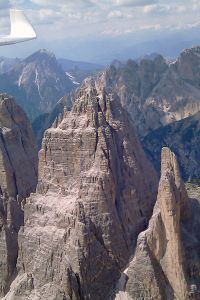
(37, 82)
(72, 78)
(20, 79)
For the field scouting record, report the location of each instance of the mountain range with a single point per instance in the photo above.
(79, 70)
(40, 81)
(99, 225)
(89, 217)
(156, 92)
(37, 82)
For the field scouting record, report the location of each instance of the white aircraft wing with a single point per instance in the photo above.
(21, 29)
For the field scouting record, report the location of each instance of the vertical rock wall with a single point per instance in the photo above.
(18, 178)
(162, 267)
(95, 194)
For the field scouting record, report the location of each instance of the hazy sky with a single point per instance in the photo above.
(66, 25)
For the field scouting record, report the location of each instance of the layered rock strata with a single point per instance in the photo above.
(95, 195)
(18, 178)
(166, 260)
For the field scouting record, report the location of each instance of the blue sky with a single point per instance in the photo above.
(66, 25)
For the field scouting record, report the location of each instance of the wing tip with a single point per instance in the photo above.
(21, 27)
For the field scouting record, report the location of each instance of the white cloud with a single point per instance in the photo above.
(157, 8)
(148, 27)
(47, 2)
(133, 2)
(66, 18)
(117, 32)
(115, 14)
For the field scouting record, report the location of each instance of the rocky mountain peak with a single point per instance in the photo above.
(195, 50)
(41, 55)
(188, 65)
(18, 178)
(95, 194)
(135, 76)
(95, 99)
(170, 173)
(10, 112)
(16, 132)
(162, 264)
(40, 81)
(155, 92)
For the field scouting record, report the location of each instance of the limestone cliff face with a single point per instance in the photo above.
(18, 178)
(154, 92)
(163, 267)
(95, 194)
(188, 65)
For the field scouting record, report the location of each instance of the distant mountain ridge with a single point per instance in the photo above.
(85, 66)
(183, 137)
(37, 83)
(79, 70)
(155, 92)
(88, 232)
(7, 64)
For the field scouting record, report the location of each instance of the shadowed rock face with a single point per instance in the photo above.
(183, 137)
(95, 194)
(163, 266)
(18, 178)
(45, 121)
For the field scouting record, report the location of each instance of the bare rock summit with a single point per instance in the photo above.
(95, 194)
(166, 261)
